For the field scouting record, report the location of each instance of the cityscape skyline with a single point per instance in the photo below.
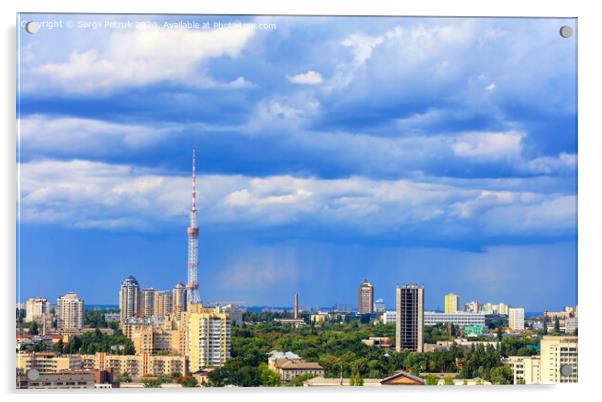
(463, 181)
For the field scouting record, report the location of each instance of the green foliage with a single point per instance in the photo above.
(58, 346)
(188, 382)
(267, 377)
(123, 377)
(556, 327)
(34, 329)
(40, 347)
(151, 383)
(337, 346)
(501, 375)
(448, 380)
(300, 379)
(431, 379)
(93, 342)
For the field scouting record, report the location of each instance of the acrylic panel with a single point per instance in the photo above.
(210, 201)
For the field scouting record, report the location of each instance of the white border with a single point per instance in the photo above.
(590, 200)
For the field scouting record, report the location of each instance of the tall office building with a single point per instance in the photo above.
(559, 359)
(365, 298)
(379, 306)
(36, 309)
(503, 309)
(409, 318)
(179, 299)
(208, 337)
(296, 306)
(70, 310)
(451, 303)
(516, 318)
(129, 299)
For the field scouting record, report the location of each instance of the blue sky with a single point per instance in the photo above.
(427, 150)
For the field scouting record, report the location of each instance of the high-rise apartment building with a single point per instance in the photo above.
(472, 307)
(365, 298)
(451, 303)
(559, 359)
(148, 302)
(179, 299)
(208, 337)
(516, 318)
(129, 299)
(70, 309)
(36, 309)
(164, 305)
(409, 318)
(379, 306)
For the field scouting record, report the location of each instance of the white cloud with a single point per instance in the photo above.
(495, 145)
(145, 56)
(74, 134)
(309, 78)
(91, 194)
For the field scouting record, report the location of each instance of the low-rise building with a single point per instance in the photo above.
(525, 369)
(62, 380)
(136, 366)
(388, 317)
(47, 362)
(289, 365)
(460, 318)
(377, 341)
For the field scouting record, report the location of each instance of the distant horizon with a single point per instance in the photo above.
(437, 151)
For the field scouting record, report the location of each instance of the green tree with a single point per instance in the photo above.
(123, 377)
(151, 382)
(39, 347)
(267, 377)
(556, 326)
(34, 329)
(500, 375)
(189, 382)
(58, 346)
(300, 379)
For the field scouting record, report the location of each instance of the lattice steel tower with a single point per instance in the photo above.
(192, 287)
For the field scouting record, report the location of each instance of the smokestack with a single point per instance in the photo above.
(296, 307)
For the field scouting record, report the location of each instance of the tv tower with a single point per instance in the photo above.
(192, 287)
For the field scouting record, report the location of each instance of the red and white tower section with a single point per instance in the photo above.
(192, 287)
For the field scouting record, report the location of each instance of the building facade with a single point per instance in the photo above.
(451, 303)
(472, 307)
(409, 328)
(365, 298)
(36, 309)
(516, 318)
(525, 369)
(129, 298)
(559, 359)
(208, 337)
(136, 366)
(459, 318)
(179, 299)
(70, 312)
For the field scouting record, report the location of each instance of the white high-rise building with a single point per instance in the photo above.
(36, 309)
(70, 309)
(516, 318)
(559, 359)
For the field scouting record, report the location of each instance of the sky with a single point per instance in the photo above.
(436, 151)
